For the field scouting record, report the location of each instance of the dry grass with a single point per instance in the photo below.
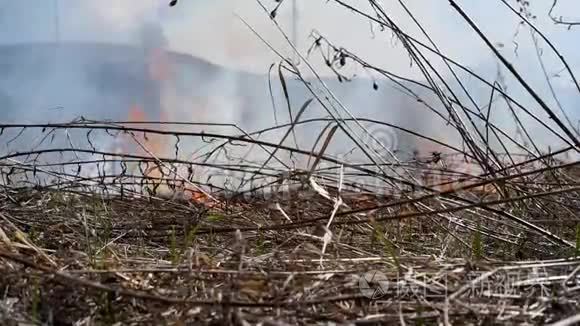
(80, 258)
(469, 235)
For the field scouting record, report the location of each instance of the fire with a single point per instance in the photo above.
(136, 113)
(144, 144)
(468, 173)
(157, 73)
(158, 173)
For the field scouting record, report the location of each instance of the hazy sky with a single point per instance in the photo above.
(211, 29)
(232, 41)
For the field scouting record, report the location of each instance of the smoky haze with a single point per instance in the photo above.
(88, 73)
(85, 58)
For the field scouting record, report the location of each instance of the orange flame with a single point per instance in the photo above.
(159, 69)
(153, 146)
(151, 142)
(136, 114)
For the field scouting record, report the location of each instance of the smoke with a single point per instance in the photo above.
(231, 44)
(83, 58)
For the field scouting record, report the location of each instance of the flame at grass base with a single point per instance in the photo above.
(162, 180)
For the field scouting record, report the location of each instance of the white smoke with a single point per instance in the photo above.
(211, 30)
